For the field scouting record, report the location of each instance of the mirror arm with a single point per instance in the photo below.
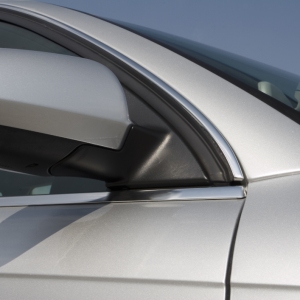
(144, 161)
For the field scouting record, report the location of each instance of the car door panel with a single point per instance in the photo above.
(136, 250)
(266, 256)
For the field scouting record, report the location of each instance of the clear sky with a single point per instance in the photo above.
(265, 30)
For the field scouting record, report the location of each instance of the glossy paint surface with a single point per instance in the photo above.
(158, 250)
(239, 116)
(63, 96)
(266, 256)
(178, 249)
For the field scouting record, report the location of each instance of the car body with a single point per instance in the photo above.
(232, 234)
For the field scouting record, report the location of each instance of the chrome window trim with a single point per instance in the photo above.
(155, 195)
(210, 128)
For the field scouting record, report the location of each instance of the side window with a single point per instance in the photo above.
(17, 184)
(15, 37)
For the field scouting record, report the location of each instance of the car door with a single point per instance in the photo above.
(168, 235)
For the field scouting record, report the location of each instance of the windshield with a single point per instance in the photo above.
(277, 88)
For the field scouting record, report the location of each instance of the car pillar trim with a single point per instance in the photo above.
(200, 117)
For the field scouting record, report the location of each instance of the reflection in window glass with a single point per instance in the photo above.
(17, 184)
(41, 190)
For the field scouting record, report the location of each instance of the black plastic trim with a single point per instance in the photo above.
(144, 161)
(32, 152)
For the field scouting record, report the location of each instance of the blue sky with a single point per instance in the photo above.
(266, 30)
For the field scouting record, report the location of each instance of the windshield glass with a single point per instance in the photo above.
(263, 81)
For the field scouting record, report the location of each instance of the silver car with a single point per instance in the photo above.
(139, 165)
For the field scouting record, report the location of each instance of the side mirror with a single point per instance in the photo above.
(68, 116)
(51, 104)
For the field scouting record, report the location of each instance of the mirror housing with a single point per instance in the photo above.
(51, 104)
(62, 96)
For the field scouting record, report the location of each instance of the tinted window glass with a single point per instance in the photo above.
(17, 184)
(16, 37)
